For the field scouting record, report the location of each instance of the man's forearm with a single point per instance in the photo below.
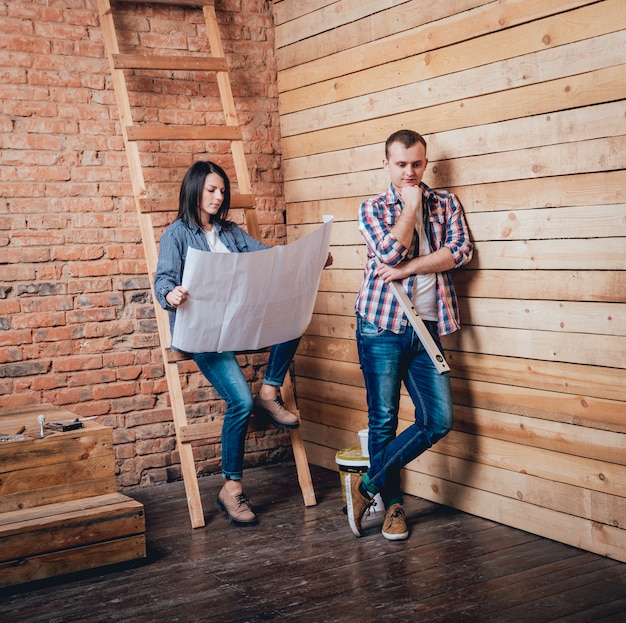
(437, 262)
(404, 229)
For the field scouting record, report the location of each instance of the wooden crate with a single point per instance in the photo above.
(60, 511)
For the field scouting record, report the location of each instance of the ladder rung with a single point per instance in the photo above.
(174, 356)
(141, 61)
(183, 132)
(242, 201)
(170, 204)
(174, 361)
(201, 430)
(192, 3)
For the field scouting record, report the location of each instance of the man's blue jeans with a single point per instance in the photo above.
(223, 372)
(387, 359)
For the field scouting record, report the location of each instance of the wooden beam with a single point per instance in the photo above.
(141, 61)
(200, 431)
(182, 133)
(170, 204)
(183, 3)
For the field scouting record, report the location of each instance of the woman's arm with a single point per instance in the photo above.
(169, 271)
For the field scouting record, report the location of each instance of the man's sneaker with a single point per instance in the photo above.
(276, 411)
(237, 509)
(357, 502)
(394, 526)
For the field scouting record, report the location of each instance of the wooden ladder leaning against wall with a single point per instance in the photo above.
(230, 131)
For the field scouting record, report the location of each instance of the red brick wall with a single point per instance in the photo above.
(77, 325)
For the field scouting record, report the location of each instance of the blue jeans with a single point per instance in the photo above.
(223, 372)
(387, 359)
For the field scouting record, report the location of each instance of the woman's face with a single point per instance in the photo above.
(212, 197)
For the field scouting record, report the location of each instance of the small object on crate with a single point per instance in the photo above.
(16, 437)
(63, 427)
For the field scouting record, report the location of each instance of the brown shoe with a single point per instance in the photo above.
(276, 411)
(237, 509)
(394, 526)
(356, 502)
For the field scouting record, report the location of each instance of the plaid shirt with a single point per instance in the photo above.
(445, 226)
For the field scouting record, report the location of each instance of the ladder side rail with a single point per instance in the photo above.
(149, 243)
(252, 224)
(228, 105)
(185, 432)
(297, 443)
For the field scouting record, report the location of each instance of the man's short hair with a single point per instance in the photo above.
(407, 137)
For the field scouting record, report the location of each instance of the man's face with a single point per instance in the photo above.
(406, 165)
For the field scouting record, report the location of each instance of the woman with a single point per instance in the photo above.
(202, 223)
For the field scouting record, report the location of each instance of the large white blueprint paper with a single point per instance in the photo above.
(247, 301)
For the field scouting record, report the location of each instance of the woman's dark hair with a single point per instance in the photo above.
(191, 194)
(408, 138)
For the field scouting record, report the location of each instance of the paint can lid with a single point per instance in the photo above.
(351, 456)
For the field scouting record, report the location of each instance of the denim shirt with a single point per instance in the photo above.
(175, 241)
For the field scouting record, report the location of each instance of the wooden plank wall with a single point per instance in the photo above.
(522, 103)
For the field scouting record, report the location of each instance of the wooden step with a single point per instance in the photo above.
(189, 3)
(63, 525)
(200, 431)
(183, 133)
(59, 507)
(176, 63)
(86, 557)
(170, 204)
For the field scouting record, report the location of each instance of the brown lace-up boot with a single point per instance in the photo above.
(237, 509)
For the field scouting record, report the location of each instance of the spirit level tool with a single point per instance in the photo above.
(420, 328)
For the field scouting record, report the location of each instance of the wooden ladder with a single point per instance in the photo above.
(146, 207)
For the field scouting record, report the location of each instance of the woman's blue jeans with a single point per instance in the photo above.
(223, 372)
(387, 359)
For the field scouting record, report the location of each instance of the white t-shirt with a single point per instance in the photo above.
(425, 288)
(215, 244)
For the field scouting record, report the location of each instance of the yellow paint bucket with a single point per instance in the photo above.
(352, 461)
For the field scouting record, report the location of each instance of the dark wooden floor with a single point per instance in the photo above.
(303, 564)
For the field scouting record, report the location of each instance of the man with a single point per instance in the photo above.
(417, 236)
